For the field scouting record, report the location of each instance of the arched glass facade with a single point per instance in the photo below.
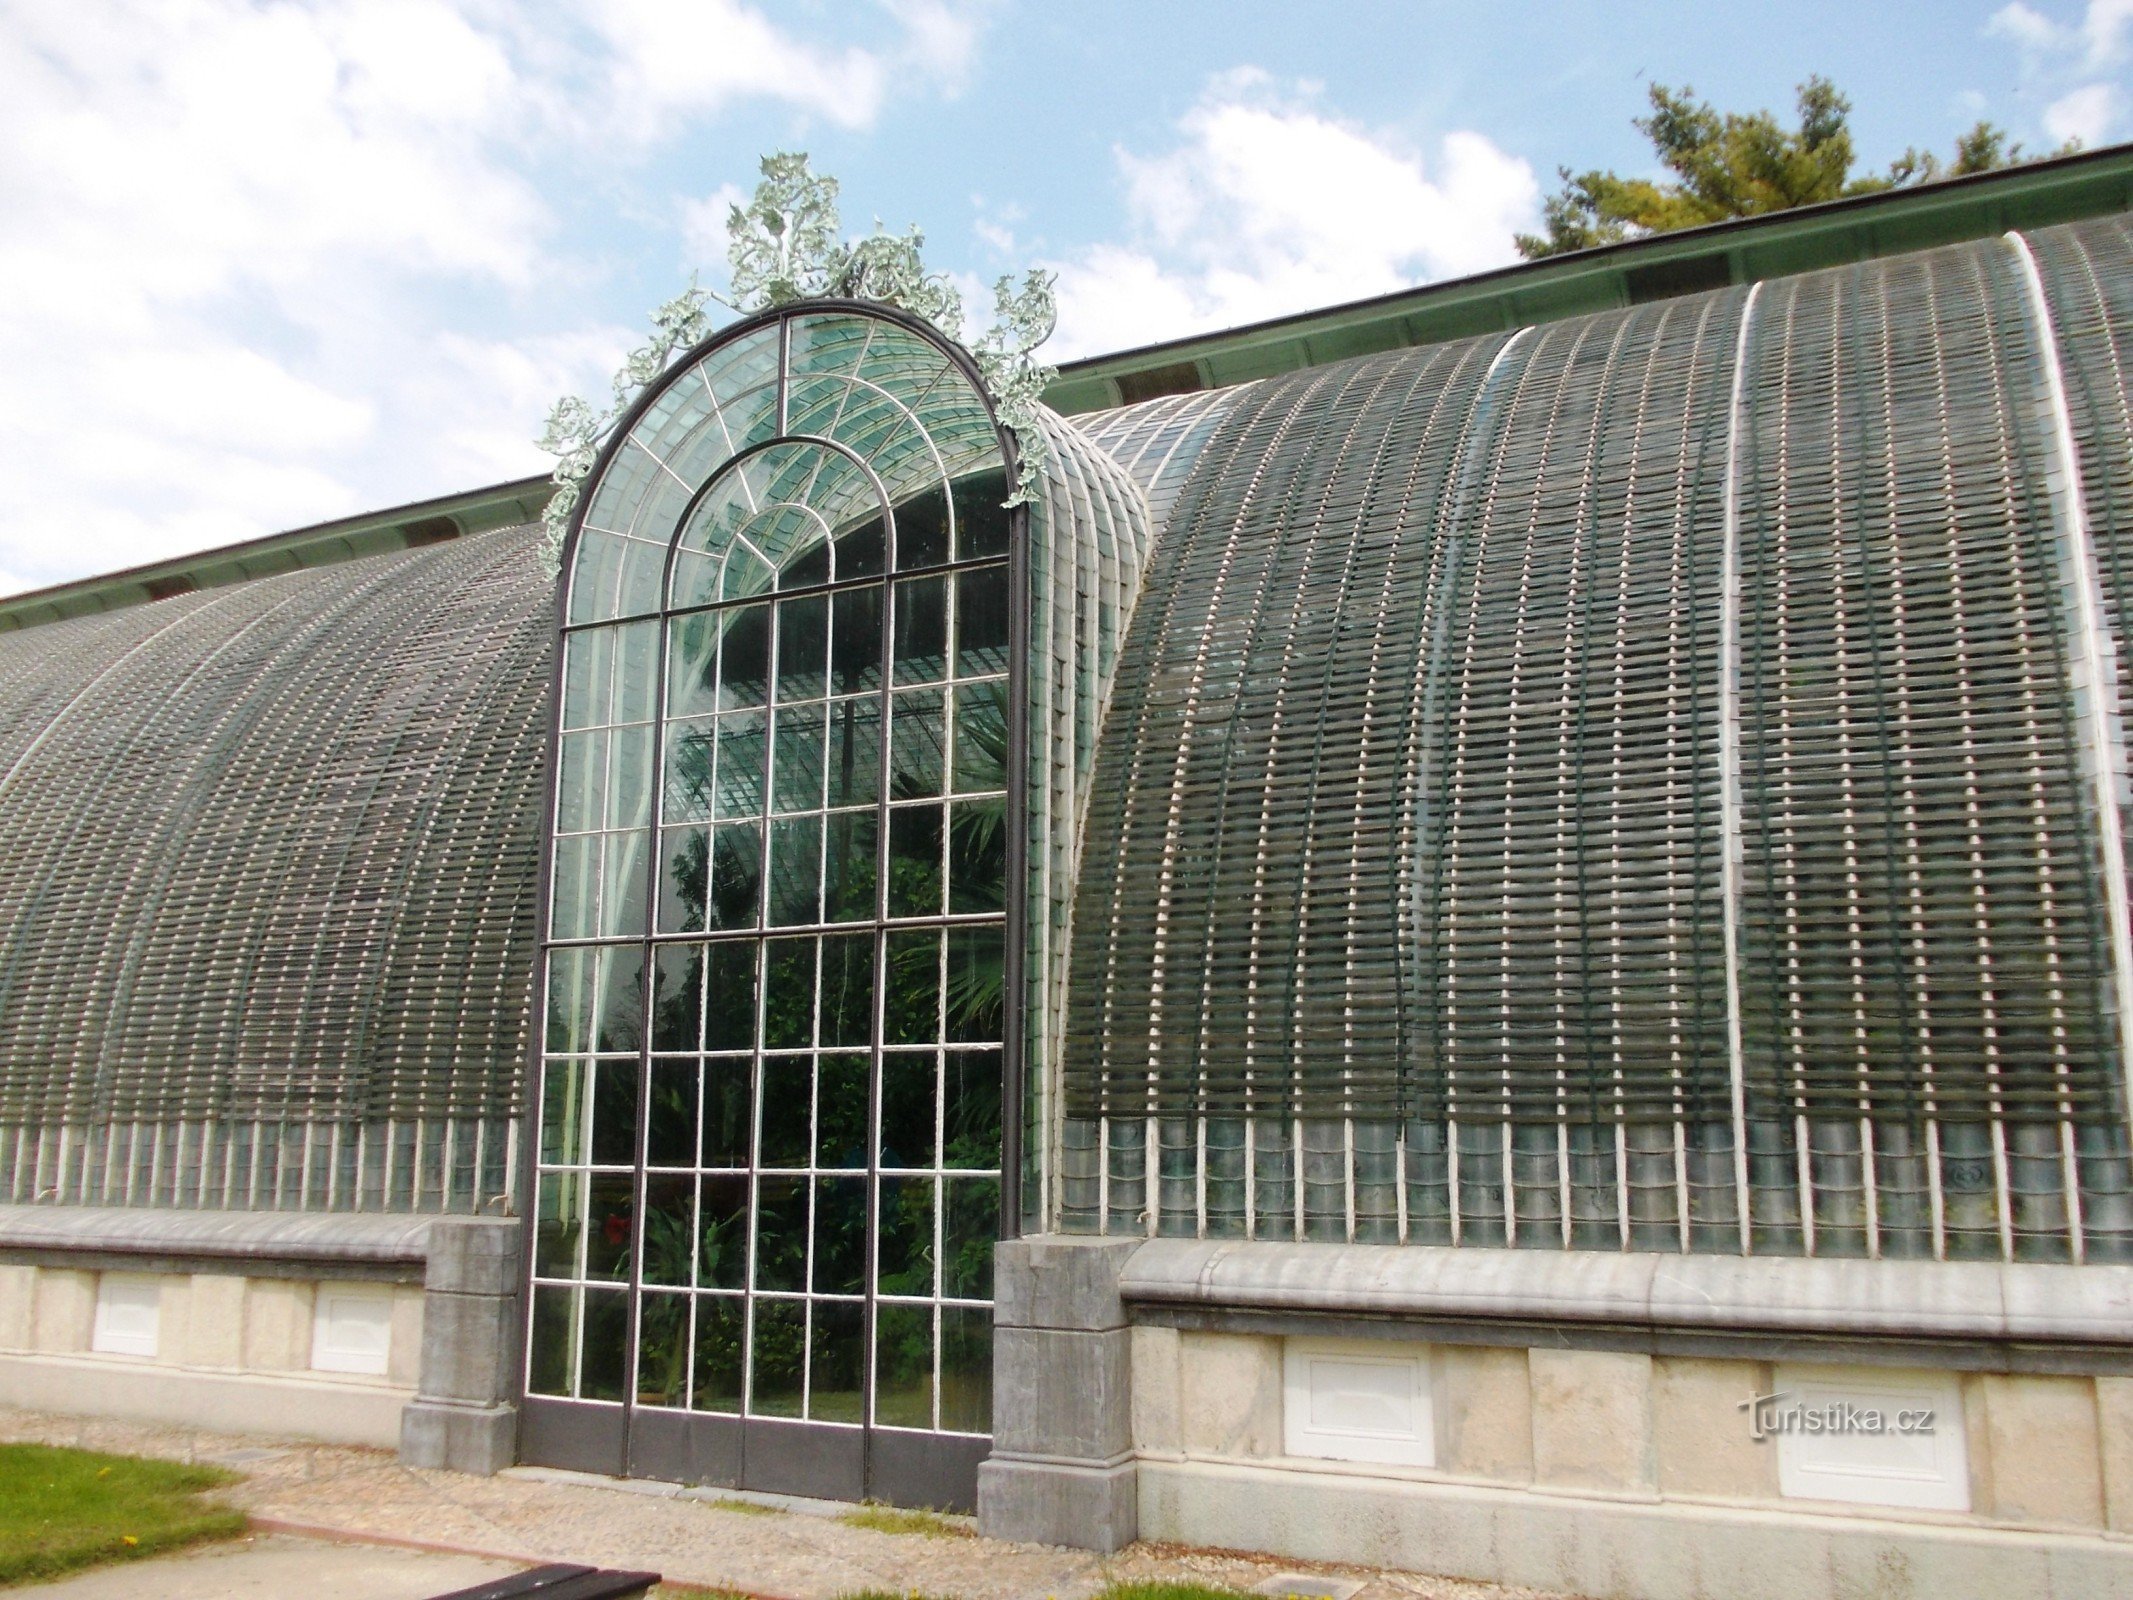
(777, 983)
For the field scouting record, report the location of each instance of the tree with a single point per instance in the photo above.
(1729, 165)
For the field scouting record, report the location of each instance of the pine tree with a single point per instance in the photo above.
(1728, 165)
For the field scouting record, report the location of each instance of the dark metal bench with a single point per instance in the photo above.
(559, 1581)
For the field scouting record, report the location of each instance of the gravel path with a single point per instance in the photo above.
(797, 1554)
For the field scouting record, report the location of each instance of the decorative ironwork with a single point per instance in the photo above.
(785, 245)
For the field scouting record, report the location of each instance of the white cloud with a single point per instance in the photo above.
(2089, 114)
(703, 222)
(2072, 64)
(1269, 204)
(264, 262)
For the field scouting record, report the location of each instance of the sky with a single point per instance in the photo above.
(265, 263)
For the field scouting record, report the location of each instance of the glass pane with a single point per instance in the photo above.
(803, 647)
(688, 793)
(966, 1369)
(976, 971)
(678, 998)
(837, 1345)
(564, 1090)
(914, 861)
(903, 1366)
(907, 1108)
(860, 551)
(605, 1346)
(847, 989)
(921, 630)
(720, 1328)
(623, 886)
(692, 664)
(981, 515)
(781, 1233)
(669, 1230)
(746, 574)
(722, 1249)
(742, 745)
(553, 1367)
(736, 887)
(970, 1111)
(728, 1084)
(922, 530)
(744, 657)
(841, 1111)
(855, 640)
(620, 1000)
(729, 997)
(789, 1004)
(981, 622)
(797, 765)
(663, 1350)
(614, 1114)
(787, 1099)
(970, 1220)
(780, 1352)
(795, 871)
(607, 1225)
(854, 759)
(581, 781)
(849, 866)
(670, 1140)
(840, 1236)
(981, 737)
(808, 568)
(559, 1229)
(684, 878)
(570, 1000)
(911, 1011)
(575, 907)
(918, 743)
(636, 672)
(904, 1261)
(588, 667)
(977, 856)
(629, 777)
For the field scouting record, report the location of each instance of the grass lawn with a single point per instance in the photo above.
(63, 1509)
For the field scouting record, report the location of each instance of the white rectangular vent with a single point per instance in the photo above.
(126, 1314)
(352, 1329)
(1868, 1437)
(1357, 1400)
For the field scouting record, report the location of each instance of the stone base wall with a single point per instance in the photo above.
(2044, 1452)
(393, 1331)
(231, 1352)
(1635, 1429)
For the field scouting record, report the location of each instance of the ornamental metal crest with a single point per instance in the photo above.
(787, 244)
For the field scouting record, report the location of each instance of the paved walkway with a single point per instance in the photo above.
(795, 1551)
(274, 1567)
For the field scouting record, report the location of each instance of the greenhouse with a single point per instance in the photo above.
(1357, 944)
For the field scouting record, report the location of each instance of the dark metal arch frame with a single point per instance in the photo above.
(1015, 1015)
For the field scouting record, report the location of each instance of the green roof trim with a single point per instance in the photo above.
(323, 544)
(2064, 189)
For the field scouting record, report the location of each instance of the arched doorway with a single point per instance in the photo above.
(780, 973)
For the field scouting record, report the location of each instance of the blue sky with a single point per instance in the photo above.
(264, 263)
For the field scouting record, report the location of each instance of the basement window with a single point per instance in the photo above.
(1358, 1400)
(352, 1329)
(126, 1314)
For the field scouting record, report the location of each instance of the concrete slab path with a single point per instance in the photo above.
(276, 1566)
(758, 1546)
